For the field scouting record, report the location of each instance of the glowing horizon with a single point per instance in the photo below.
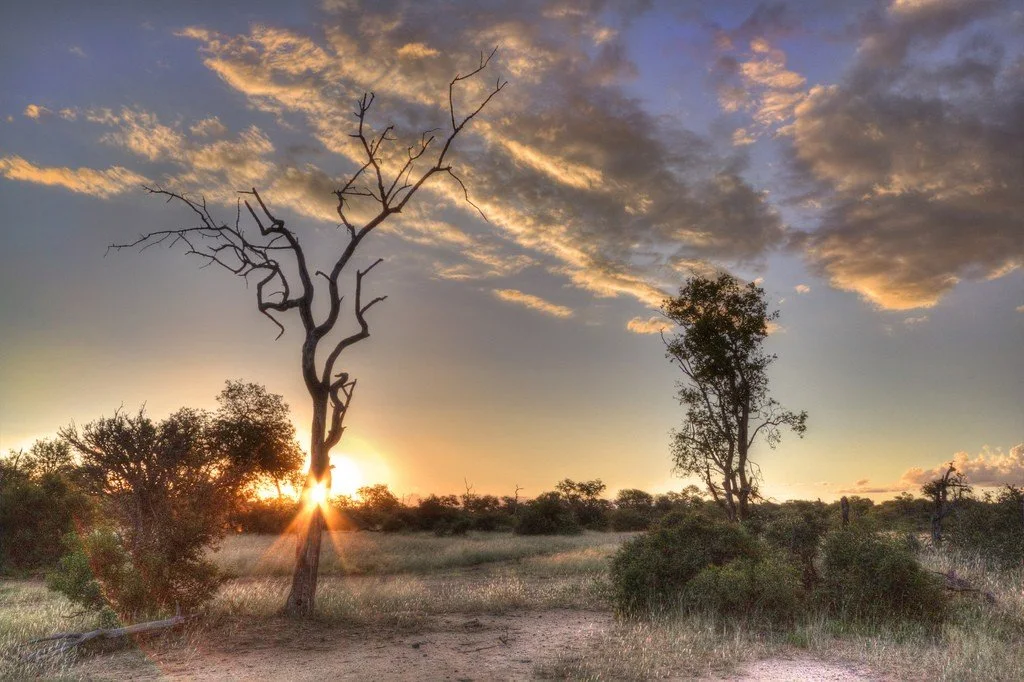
(638, 144)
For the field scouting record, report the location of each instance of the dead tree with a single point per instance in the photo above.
(944, 492)
(275, 259)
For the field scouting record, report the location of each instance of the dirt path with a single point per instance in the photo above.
(501, 647)
(506, 647)
(801, 668)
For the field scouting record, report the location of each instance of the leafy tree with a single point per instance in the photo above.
(719, 349)
(584, 497)
(548, 514)
(634, 510)
(49, 456)
(39, 503)
(167, 488)
(254, 426)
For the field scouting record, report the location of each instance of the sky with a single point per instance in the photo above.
(862, 160)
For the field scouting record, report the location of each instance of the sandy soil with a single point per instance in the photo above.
(802, 668)
(504, 647)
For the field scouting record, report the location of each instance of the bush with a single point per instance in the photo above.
(549, 514)
(871, 577)
(269, 516)
(625, 520)
(993, 528)
(651, 571)
(797, 529)
(767, 587)
(36, 510)
(456, 527)
(99, 572)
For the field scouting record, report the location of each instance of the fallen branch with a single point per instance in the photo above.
(66, 641)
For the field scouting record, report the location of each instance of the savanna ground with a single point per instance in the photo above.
(500, 606)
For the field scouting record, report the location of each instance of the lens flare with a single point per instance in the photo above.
(317, 495)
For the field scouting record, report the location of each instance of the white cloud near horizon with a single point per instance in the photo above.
(990, 468)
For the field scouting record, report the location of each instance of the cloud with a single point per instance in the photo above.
(99, 183)
(1020, 309)
(915, 321)
(918, 181)
(534, 302)
(651, 325)
(991, 468)
(77, 51)
(757, 82)
(802, 289)
(742, 137)
(208, 127)
(567, 166)
(416, 51)
(36, 111)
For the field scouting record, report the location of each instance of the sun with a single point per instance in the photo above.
(318, 495)
(346, 476)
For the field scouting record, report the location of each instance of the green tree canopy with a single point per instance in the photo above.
(719, 349)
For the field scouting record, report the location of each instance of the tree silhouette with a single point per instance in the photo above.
(284, 281)
(725, 387)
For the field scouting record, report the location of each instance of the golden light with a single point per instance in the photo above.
(317, 495)
(346, 476)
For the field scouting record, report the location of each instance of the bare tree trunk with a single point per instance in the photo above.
(302, 598)
(844, 505)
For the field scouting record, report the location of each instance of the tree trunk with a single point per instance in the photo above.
(302, 598)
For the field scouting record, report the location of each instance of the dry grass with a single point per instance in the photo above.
(472, 578)
(355, 553)
(677, 648)
(980, 641)
(27, 611)
(405, 581)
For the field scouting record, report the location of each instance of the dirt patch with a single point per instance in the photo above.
(503, 647)
(801, 668)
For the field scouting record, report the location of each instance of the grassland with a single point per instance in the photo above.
(409, 583)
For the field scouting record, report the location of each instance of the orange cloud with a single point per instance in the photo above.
(534, 302)
(651, 325)
(100, 183)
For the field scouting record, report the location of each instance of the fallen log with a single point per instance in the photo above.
(66, 641)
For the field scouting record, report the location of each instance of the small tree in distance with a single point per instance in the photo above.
(286, 280)
(723, 325)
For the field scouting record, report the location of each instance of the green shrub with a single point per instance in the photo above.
(797, 529)
(266, 516)
(549, 514)
(993, 528)
(99, 572)
(456, 527)
(767, 587)
(871, 577)
(651, 571)
(36, 510)
(625, 520)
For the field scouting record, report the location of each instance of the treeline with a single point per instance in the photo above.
(991, 524)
